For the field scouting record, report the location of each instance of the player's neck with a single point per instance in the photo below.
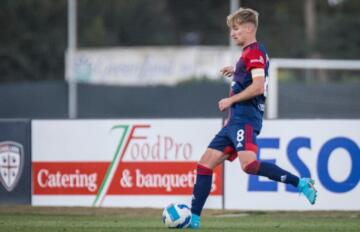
(250, 41)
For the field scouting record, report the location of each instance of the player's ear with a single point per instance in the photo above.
(250, 27)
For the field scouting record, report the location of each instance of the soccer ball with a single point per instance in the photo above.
(176, 216)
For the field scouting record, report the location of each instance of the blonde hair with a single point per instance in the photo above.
(243, 15)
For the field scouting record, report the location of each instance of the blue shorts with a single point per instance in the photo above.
(233, 138)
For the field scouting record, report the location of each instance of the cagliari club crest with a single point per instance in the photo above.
(11, 164)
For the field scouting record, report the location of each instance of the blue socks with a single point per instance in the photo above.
(273, 172)
(204, 181)
(201, 189)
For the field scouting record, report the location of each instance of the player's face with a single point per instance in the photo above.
(239, 33)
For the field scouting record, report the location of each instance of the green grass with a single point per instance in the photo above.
(44, 219)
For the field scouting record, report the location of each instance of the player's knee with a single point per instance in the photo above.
(211, 158)
(203, 170)
(251, 167)
(205, 163)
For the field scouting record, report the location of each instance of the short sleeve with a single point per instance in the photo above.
(255, 59)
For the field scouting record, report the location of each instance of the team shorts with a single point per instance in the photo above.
(234, 138)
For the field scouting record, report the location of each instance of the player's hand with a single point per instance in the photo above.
(227, 71)
(224, 104)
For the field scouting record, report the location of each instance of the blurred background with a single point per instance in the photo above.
(149, 71)
(34, 41)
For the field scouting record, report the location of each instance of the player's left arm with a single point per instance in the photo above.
(255, 63)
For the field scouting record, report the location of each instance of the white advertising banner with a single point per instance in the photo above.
(150, 163)
(128, 163)
(326, 150)
(149, 65)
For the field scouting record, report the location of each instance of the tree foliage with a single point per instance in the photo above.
(34, 32)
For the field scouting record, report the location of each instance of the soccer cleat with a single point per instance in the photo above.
(195, 222)
(306, 187)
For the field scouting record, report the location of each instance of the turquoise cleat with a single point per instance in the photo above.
(306, 187)
(195, 222)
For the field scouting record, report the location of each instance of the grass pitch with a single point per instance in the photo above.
(44, 219)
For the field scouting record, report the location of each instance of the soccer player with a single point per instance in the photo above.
(246, 108)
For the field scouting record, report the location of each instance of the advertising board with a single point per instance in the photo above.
(120, 162)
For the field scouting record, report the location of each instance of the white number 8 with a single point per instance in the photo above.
(240, 135)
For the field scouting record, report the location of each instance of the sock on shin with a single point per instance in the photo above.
(274, 172)
(201, 189)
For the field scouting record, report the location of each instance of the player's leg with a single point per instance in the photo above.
(201, 191)
(252, 166)
(202, 188)
(244, 139)
(212, 157)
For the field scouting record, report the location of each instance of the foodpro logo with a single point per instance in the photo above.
(11, 164)
(146, 160)
(174, 174)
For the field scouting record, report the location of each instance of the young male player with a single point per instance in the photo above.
(246, 105)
